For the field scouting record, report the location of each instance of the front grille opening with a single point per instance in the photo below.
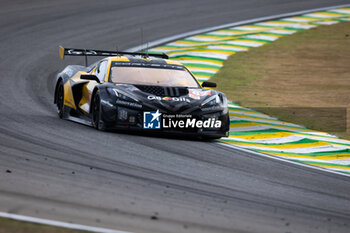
(163, 91)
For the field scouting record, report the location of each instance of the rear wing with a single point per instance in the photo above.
(92, 52)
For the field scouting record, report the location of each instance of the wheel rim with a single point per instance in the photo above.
(59, 100)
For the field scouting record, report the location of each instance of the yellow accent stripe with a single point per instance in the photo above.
(68, 96)
(84, 98)
(119, 58)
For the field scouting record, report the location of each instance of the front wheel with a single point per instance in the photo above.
(60, 100)
(97, 122)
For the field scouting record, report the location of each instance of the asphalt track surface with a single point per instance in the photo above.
(65, 171)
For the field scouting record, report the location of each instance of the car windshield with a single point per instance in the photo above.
(152, 76)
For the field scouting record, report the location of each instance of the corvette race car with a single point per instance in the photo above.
(139, 91)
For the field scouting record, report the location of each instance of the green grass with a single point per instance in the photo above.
(301, 78)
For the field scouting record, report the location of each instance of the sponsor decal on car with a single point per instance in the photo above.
(183, 99)
(151, 120)
(197, 93)
(128, 104)
(157, 120)
(85, 52)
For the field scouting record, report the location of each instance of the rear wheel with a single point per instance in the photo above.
(97, 122)
(60, 99)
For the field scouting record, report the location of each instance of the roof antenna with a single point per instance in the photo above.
(118, 54)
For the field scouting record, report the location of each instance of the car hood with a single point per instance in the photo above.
(167, 99)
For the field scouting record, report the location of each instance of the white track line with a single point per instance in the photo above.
(58, 223)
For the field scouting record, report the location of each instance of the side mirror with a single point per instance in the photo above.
(208, 84)
(89, 77)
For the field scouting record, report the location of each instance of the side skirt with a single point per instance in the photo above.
(79, 120)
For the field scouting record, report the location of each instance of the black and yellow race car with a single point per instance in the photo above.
(139, 91)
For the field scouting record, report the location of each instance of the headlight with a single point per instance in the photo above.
(127, 98)
(122, 95)
(112, 91)
(224, 104)
(211, 101)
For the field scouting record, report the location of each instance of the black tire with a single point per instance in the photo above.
(97, 122)
(60, 99)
